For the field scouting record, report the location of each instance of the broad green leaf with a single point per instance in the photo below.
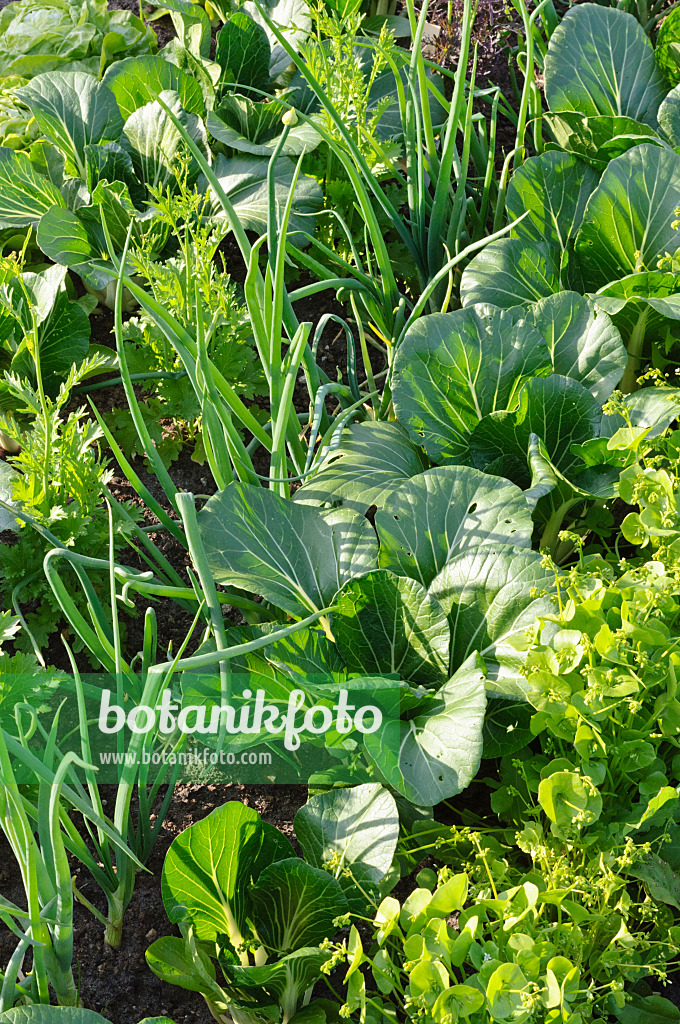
(384, 623)
(669, 116)
(628, 218)
(661, 880)
(599, 139)
(582, 341)
(436, 754)
(454, 368)
(667, 50)
(554, 188)
(77, 240)
(171, 960)
(191, 23)
(63, 339)
(558, 410)
(286, 980)
(305, 653)
(154, 143)
(110, 162)
(137, 81)
(655, 408)
(355, 829)
(510, 272)
(205, 72)
(435, 516)
(488, 594)
(43, 289)
(37, 1014)
(652, 1009)
(51, 1015)
(243, 51)
(654, 293)
(38, 36)
(73, 110)
(256, 128)
(291, 554)
(244, 179)
(600, 61)
(209, 867)
(294, 904)
(293, 20)
(507, 727)
(25, 195)
(373, 459)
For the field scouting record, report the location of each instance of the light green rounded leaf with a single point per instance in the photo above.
(25, 195)
(137, 81)
(504, 993)
(294, 904)
(291, 554)
(554, 187)
(600, 61)
(372, 460)
(629, 215)
(567, 797)
(558, 410)
(454, 368)
(384, 623)
(492, 596)
(435, 516)
(73, 110)
(511, 272)
(436, 754)
(461, 1000)
(583, 342)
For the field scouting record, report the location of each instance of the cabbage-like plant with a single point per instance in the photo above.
(602, 237)
(255, 919)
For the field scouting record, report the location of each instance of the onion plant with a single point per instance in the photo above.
(447, 210)
(45, 928)
(115, 848)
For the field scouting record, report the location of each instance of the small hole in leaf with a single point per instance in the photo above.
(472, 508)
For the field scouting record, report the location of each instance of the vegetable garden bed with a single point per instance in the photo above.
(339, 531)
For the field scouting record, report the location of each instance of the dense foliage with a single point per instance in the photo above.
(461, 507)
